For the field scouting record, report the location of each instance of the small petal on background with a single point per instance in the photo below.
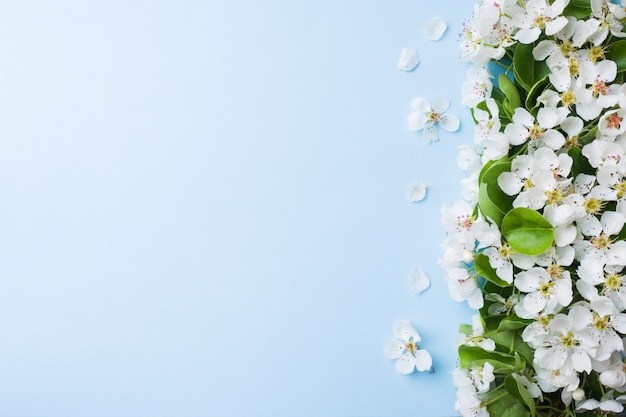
(435, 28)
(430, 133)
(403, 330)
(408, 60)
(416, 193)
(418, 281)
(449, 122)
(423, 360)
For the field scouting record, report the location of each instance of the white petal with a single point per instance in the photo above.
(406, 364)
(510, 183)
(430, 133)
(394, 348)
(418, 281)
(534, 302)
(553, 138)
(423, 361)
(612, 222)
(553, 26)
(403, 330)
(417, 121)
(527, 36)
(543, 49)
(547, 118)
(420, 104)
(408, 60)
(416, 193)
(581, 361)
(516, 133)
(449, 122)
(441, 104)
(565, 235)
(435, 28)
(572, 126)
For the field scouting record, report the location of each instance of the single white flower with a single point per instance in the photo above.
(477, 87)
(408, 60)
(428, 117)
(567, 346)
(540, 16)
(541, 131)
(543, 291)
(405, 349)
(435, 28)
(416, 192)
(418, 281)
(476, 338)
(612, 123)
(463, 287)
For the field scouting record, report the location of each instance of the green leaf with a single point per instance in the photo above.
(510, 91)
(493, 202)
(580, 9)
(519, 391)
(466, 329)
(512, 323)
(517, 410)
(474, 355)
(580, 163)
(528, 71)
(535, 91)
(617, 52)
(492, 170)
(507, 406)
(511, 341)
(484, 269)
(523, 66)
(527, 231)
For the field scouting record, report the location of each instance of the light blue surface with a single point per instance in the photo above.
(202, 207)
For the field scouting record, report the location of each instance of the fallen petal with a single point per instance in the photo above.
(416, 193)
(418, 281)
(435, 28)
(408, 60)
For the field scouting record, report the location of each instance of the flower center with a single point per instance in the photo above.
(614, 121)
(573, 67)
(554, 196)
(568, 98)
(568, 341)
(528, 184)
(567, 48)
(535, 132)
(571, 142)
(505, 251)
(600, 323)
(613, 281)
(601, 242)
(593, 205)
(546, 288)
(596, 53)
(540, 22)
(555, 271)
(599, 88)
(411, 346)
(621, 189)
(465, 222)
(544, 320)
(433, 117)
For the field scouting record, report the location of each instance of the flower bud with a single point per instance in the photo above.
(578, 394)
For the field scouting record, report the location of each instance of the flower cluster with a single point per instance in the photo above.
(537, 244)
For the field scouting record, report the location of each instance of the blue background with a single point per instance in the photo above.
(202, 207)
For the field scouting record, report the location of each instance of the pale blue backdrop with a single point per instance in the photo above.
(202, 207)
